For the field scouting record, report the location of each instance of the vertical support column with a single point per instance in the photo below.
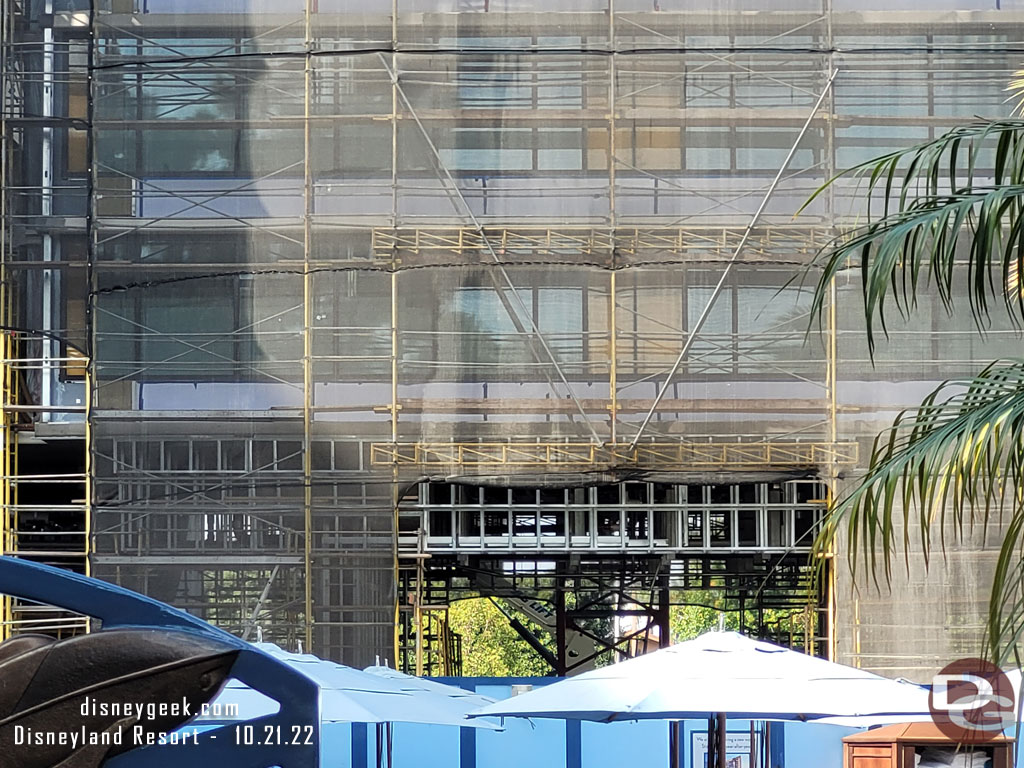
(90, 277)
(50, 279)
(9, 447)
(856, 631)
(87, 510)
(613, 354)
(394, 331)
(560, 622)
(674, 746)
(307, 332)
(829, 572)
(809, 617)
(611, 118)
(8, 487)
(831, 353)
(7, 11)
(720, 741)
(7, 108)
(612, 220)
(664, 617)
(418, 616)
(6, 178)
(395, 498)
(394, 113)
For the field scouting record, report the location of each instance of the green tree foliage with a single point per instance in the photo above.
(701, 610)
(689, 621)
(490, 646)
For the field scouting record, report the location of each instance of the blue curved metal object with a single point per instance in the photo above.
(117, 607)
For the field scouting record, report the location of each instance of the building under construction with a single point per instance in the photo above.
(322, 315)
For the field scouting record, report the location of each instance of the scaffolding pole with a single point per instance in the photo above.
(725, 273)
(519, 304)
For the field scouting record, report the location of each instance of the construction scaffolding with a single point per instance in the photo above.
(45, 478)
(325, 257)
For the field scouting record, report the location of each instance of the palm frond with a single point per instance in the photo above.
(1005, 626)
(1016, 89)
(952, 209)
(954, 463)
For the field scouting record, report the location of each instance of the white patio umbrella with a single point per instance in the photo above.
(717, 675)
(718, 672)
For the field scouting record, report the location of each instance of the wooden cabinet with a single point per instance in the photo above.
(897, 746)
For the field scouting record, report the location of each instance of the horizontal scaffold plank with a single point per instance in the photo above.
(506, 406)
(586, 240)
(562, 455)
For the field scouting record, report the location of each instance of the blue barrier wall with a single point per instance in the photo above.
(566, 744)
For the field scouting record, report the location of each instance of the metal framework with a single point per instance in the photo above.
(44, 504)
(609, 562)
(618, 604)
(45, 514)
(320, 257)
(631, 245)
(697, 457)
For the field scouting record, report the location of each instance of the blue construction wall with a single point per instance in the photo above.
(564, 744)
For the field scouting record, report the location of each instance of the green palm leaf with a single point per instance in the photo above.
(951, 209)
(1016, 89)
(947, 219)
(956, 462)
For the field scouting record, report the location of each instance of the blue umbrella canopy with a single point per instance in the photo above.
(465, 701)
(349, 695)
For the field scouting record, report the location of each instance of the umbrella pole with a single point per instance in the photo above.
(721, 740)
(712, 761)
(673, 744)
